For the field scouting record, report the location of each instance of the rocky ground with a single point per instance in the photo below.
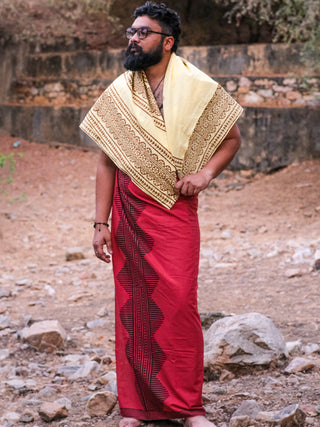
(260, 243)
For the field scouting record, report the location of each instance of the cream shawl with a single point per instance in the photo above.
(127, 125)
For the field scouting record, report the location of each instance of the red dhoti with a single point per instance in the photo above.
(159, 343)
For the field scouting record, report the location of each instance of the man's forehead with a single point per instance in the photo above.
(146, 21)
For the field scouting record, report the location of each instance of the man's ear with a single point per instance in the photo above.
(168, 43)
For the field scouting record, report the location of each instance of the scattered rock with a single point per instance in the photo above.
(293, 272)
(103, 312)
(4, 354)
(45, 336)
(240, 421)
(104, 379)
(291, 416)
(48, 394)
(74, 254)
(24, 282)
(4, 293)
(299, 364)
(294, 347)
(85, 370)
(4, 322)
(68, 371)
(15, 384)
(79, 296)
(244, 340)
(51, 411)
(11, 417)
(3, 308)
(101, 404)
(96, 323)
(64, 401)
(27, 417)
(248, 408)
(312, 348)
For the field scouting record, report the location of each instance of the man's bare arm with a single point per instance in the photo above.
(192, 184)
(104, 196)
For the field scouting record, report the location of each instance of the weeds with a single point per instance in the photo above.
(8, 168)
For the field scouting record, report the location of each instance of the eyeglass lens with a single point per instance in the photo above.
(141, 32)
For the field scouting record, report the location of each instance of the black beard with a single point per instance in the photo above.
(141, 60)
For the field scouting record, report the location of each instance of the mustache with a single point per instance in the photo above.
(133, 47)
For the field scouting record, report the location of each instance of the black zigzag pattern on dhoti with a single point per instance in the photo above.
(140, 315)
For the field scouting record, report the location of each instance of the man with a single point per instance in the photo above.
(165, 130)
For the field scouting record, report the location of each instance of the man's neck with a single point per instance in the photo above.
(156, 72)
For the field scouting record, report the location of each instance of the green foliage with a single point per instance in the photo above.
(290, 21)
(9, 161)
(8, 164)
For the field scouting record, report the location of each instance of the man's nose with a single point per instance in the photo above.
(134, 38)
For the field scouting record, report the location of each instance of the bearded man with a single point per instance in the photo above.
(165, 130)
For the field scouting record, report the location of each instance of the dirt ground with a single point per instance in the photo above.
(260, 240)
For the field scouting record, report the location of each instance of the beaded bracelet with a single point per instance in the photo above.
(100, 223)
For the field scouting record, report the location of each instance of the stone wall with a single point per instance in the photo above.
(256, 75)
(45, 91)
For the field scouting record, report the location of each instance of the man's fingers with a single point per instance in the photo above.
(109, 246)
(102, 255)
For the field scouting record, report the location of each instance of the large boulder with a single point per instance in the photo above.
(244, 340)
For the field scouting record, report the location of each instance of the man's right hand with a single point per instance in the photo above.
(102, 239)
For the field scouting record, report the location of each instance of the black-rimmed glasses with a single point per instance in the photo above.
(142, 32)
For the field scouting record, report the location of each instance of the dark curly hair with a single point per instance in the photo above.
(168, 19)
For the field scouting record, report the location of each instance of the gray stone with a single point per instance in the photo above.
(248, 408)
(110, 376)
(291, 416)
(299, 364)
(103, 312)
(293, 272)
(294, 347)
(85, 370)
(266, 416)
(48, 394)
(4, 322)
(24, 282)
(101, 404)
(246, 340)
(12, 417)
(16, 384)
(252, 98)
(46, 336)
(4, 354)
(244, 81)
(312, 348)
(4, 293)
(231, 86)
(3, 308)
(67, 371)
(96, 323)
(266, 93)
(27, 417)
(51, 411)
(74, 359)
(79, 296)
(64, 401)
(240, 421)
(112, 386)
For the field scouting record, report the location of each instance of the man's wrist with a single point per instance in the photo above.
(99, 224)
